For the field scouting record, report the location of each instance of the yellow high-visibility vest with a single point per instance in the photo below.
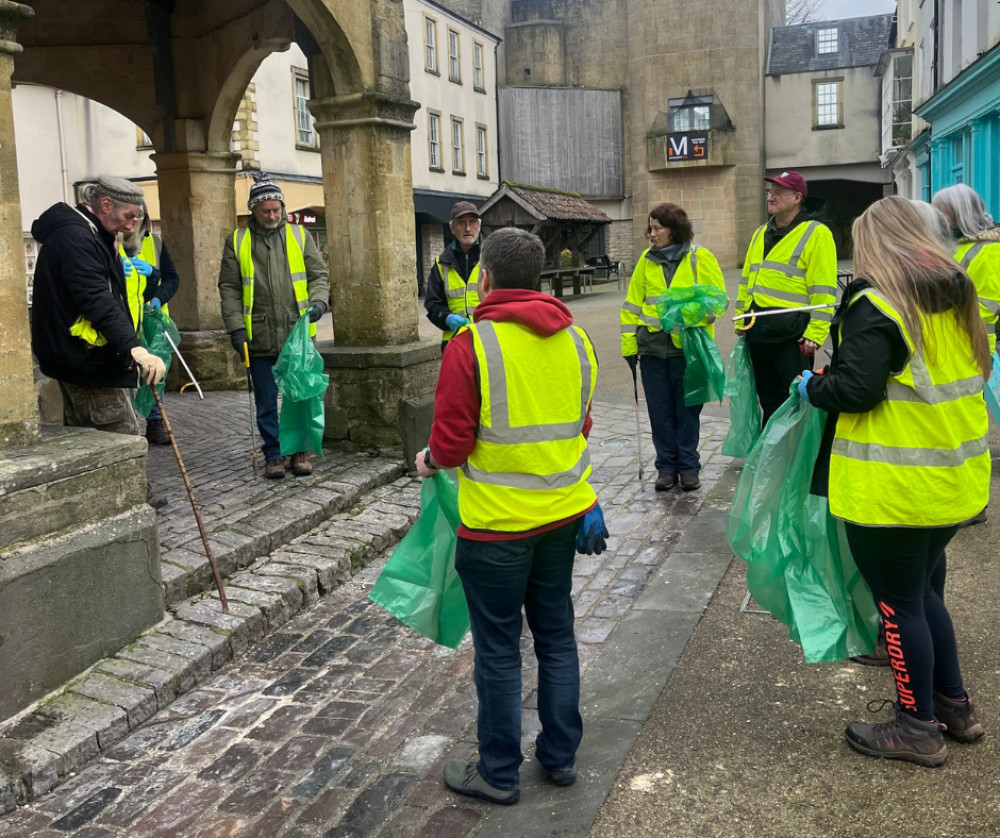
(648, 284)
(150, 251)
(920, 458)
(462, 296)
(530, 464)
(135, 285)
(981, 261)
(800, 270)
(294, 247)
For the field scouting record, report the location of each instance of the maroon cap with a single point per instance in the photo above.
(791, 180)
(464, 208)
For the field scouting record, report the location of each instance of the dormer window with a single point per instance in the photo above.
(693, 113)
(826, 41)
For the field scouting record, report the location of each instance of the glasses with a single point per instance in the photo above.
(472, 223)
(133, 216)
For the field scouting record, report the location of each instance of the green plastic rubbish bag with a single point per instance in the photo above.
(152, 338)
(302, 383)
(799, 567)
(744, 408)
(682, 308)
(419, 585)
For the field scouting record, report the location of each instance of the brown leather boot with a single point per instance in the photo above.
(301, 466)
(156, 432)
(274, 469)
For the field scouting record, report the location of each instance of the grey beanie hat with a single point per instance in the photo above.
(264, 189)
(118, 189)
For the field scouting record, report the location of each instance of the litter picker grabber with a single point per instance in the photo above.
(180, 358)
(194, 506)
(753, 315)
(638, 431)
(253, 414)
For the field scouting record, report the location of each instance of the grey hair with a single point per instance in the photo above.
(936, 223)
(513, 258)
(965, 208)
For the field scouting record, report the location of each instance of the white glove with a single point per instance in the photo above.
(153, 368)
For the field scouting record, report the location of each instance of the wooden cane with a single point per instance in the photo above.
(194, 506)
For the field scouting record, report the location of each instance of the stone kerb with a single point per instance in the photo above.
(99, 708)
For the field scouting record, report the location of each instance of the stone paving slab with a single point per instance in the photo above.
(328, 717)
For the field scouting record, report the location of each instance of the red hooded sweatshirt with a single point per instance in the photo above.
(457, 400)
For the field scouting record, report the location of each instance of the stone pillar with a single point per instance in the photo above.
(380, 372)
(198, 210)
(18, 409)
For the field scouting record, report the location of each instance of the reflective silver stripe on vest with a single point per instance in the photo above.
(755, 266)
(500, 431)
(299, 234)
(694, 263)
(630, 328)
(924, 390)
(632, 308)
(791, 297)
(452, 293)
(537, 482)
(898, 455)
(791, 268)
(245, 281)
(971, 254)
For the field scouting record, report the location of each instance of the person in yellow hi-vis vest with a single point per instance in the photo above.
(908, 461)
(82, 330)
(512, 413)
(271, 274)
(791, 262)
(452, 291)
(148, 257)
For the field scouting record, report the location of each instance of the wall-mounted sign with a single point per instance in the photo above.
(305, 218)
(686, 147)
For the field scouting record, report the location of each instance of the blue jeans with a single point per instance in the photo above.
(499, 578)
(675, 426)
(265, 395)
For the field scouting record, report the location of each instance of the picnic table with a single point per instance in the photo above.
(580, 275)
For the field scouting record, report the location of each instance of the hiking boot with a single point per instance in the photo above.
(301, 465)
(905, 737)
(958, 717)
(665, 482)
(563, 776)
(690, 482)
(464, 778)
(156, 432)
(154, 500)
(880, 655)
(274, 469)
(975, 519)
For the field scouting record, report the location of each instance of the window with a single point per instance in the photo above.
(477, 67)
(430, 45)
(902, 99)
(434, 139)
(827, 42)
(457, 149)
(305, 136)
(482, 163)
(454, 65)
(826, 96)
(693, 113)
(958, 159)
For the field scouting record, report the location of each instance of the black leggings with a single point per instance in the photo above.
(899, 564)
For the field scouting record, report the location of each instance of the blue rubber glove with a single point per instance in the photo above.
(154, 305)
(126, 265)
(803, 392)
(456, 322)
(141, 265)
(591, 538)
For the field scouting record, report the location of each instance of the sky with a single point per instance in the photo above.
(837, 9)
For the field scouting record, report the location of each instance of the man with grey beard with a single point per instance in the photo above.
(272, 273)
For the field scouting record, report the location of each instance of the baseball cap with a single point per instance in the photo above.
(791, 180)
(464, 208)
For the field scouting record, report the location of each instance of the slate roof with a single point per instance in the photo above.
(861, 42)
(548, 204)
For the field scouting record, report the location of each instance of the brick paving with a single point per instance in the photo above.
(308, 710)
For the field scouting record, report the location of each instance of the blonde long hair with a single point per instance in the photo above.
(898, 253)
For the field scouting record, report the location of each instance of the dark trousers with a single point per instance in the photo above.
(499, 578)
(775, 367)
(675, 426)
(265, 396)
(900, 565)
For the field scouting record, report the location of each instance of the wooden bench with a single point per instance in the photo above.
(579, 275)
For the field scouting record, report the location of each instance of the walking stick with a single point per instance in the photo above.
(194, 506)
(638, 432)
(253, 429)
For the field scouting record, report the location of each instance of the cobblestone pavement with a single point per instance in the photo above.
(309, 711)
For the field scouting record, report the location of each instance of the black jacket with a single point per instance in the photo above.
(78, 273)
(867, 348)
(435, 300)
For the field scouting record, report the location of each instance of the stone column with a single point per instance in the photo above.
(198, 210)
(18, 408)
(381, 375)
